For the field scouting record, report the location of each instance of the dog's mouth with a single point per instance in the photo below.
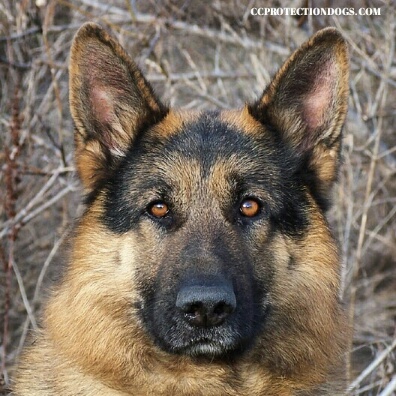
(211, 319)
(205, 348)
(211, 347)
(229, 339)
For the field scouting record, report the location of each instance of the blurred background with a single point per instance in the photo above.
(197, 54)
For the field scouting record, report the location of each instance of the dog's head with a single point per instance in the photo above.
(215, 219)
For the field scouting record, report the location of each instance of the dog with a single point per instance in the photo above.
(203, 263)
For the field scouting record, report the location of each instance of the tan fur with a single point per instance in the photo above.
(119, 353)
(92, 341)
(174, 122)
(242, 119)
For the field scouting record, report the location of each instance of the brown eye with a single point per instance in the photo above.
(249, 207)
(158, 209)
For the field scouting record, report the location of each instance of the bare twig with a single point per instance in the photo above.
(390, 388)
(48, 16)
(381, 98)
(39, 283)
(12, 153)
(216, 35)
(175, 77)
(373, 365)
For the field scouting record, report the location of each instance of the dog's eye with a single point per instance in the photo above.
(158, 209)
(250, 207)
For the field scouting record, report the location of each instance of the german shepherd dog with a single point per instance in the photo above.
(203, 263)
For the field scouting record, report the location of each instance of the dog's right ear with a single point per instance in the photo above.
(110, 102)
(306, 103)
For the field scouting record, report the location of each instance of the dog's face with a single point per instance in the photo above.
(219, 214)
(204, 202)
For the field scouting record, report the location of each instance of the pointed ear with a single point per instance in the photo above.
(110, 101)
(306, 103)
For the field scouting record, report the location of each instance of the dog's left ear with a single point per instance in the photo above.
(307, 100)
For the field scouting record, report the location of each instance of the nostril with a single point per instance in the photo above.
(195, 313)
(192, 309)
(223, 308)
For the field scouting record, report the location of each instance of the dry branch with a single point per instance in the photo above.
(197, 62)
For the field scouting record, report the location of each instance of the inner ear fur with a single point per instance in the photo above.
(306, 103)
(110, 100)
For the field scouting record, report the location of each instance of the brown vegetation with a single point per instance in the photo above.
(198, 55)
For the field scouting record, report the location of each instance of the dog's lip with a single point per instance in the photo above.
(203, 349)
(206, 346)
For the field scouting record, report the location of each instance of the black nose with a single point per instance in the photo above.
(206, 306)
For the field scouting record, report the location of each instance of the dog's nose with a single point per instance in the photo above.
(206, 306)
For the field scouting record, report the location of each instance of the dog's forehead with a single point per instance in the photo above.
(192, 146)
(205, 154)
(214, 122)
(210, 137)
